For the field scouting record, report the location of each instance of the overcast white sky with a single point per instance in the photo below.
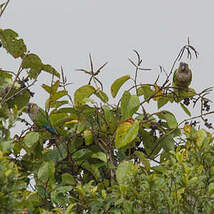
(63, 33)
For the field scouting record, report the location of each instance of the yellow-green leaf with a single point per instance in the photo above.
(67, 179)
(49, 69)
(31, 138)
(82, 93)
(117, 84)
(185, 109)
(102, 95)
(47, 88)
(125, 171)
(55, 87)
(88, 136)
(125, 133)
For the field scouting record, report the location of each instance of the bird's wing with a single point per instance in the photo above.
(44, 118)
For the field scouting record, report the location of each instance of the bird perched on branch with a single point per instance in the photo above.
(182, 77)
(39, 117)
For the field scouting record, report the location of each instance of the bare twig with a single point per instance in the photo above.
(4, 7)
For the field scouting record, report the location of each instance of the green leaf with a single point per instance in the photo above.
(82, 154)
(169, 117)
(31, 138)
(167, 142)
(117, 84)
(111, 118)
(93, 168)
(59, 195)
(51, 103)
(125, 171)
(49, 69)
(46, 171)
(129, 105)
(72, 111)
(70, 208)
(6, 146)
(47, 88)
(185, 109)
(126, 133)
(201, 136)
(88, 136)
(162, 101)
(14, 46)
(101, 156)
(150, 143)
(145, 90)
(67, 179)
(21, 100)
(56, 154)
(55, 87)
(102, 95)
(143, 159)
(211, 189)
(33, 62)
(82, 93)
(58, 95)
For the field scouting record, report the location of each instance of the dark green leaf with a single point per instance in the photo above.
(167, 143)
(32, 61)
(150, 143)
(12, 44)
(143, 159)
(93, 168)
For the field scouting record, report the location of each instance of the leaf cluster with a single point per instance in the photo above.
(105, 158)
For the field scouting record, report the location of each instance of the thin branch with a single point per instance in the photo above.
(2, 11)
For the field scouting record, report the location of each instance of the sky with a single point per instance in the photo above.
(63, 33)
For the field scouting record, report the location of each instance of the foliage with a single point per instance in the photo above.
(103, 158)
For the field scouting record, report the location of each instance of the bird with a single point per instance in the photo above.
(40, 118)
(182, 77)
